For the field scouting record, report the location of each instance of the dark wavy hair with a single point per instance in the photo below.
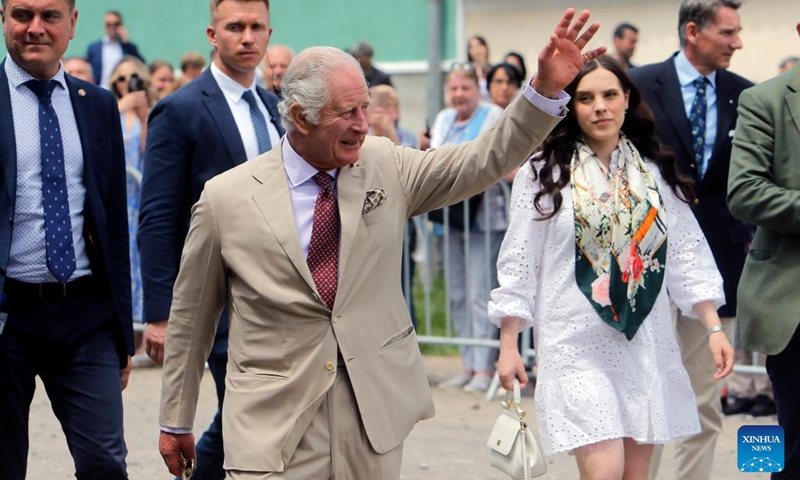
(559, 147)
(514, 77)
(518, 56)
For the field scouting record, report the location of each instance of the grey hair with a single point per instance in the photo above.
(788, 62)
(701, 13)
(306, 82)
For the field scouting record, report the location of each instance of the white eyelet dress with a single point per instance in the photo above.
(592, 383)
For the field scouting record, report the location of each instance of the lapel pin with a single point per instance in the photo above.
(730, 101)
(81, 92)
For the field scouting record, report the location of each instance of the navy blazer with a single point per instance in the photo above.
(94, 55)
(191, 137)
(727, 236)
(105, 211)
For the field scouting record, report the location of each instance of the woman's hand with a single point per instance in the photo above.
(723, 354)
(717, 341)
(381, 124)
(510, 365)
(133, 102)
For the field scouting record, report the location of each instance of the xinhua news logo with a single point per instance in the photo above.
(760, 448)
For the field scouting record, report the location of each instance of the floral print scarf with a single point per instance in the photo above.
(620, 235)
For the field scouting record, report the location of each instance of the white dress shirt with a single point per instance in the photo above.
(240, 109)
(112, 54)
(27, 261)
(303, 191)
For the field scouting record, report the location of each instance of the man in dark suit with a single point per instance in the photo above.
(208, 126)
(64, 266)
(103, 55)
(363, 52)
(694, 100)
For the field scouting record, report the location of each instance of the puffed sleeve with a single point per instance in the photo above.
(518, 261)
(691, 274)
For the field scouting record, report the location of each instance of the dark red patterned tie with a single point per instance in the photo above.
(323, 251)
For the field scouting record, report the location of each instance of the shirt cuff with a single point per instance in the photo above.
(555, 107)
(177, 431)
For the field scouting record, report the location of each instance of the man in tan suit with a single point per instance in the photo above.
(303, 243)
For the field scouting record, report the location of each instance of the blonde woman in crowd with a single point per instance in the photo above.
(130, 82)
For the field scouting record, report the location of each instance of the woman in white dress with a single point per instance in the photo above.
(600, 230)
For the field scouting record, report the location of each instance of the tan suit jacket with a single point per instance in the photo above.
(242, 248)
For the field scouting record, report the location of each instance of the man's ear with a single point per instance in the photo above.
(212, 36)
(691, 31)
(301, 123)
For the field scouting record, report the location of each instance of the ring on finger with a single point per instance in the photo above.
(586, 58)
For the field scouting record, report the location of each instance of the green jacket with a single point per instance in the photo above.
(764, 189)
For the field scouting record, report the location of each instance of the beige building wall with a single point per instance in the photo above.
(768, 34)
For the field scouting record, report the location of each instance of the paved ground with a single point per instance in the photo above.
(450, 446)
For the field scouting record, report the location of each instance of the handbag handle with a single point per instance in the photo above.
(517, 399)
(513, 400)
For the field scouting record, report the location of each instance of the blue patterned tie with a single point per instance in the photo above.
(57, 223)
(259, 124)
(697, 120)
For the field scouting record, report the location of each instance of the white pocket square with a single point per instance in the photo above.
(373, 200)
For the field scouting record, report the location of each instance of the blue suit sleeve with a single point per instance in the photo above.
(164, 183)
(117, 221)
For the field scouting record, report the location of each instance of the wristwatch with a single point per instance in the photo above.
(716, 328)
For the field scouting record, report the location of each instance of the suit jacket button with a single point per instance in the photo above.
(330, 366)
(693, 165)
(697, 201)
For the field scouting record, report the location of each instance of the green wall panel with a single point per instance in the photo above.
(397, 30)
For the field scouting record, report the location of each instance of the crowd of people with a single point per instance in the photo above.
(252, 213)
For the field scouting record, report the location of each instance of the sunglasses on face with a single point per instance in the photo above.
(113, 24)
(460, 66)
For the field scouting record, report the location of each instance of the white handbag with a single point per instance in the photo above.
(515, 448)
